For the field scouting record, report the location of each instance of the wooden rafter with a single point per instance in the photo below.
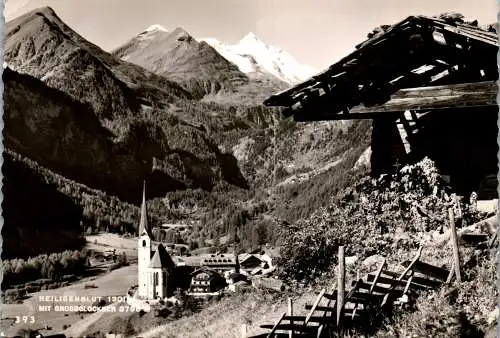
(360, 65)
(437, 97)
(420, 99)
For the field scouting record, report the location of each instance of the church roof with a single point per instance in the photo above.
(161, 258)
(143, 223)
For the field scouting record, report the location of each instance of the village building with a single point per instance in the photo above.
(206, 281)
(220, 262)
(155, 268)
(429, 87)
(249, 262)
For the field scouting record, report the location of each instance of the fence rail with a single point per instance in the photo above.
(374, 294)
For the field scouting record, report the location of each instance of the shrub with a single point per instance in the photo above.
(366, 218)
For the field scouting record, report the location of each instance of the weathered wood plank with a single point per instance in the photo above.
(451, 274)
(420, 99)
(378, 289)
(407, 287)
(392, 281)
(429, 270)
(417, 280)
(454, 245)
(360, 297)
(290, 314)
(493, 240)
(340, 288)
(314, 319)
(377, 276)
(436, 97)
(471, 34)
(474, 238)
(275, 326)
(288, 327)
(409, 268)
(316, 303)
(330, 309)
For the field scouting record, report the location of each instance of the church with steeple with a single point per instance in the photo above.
(155, 267)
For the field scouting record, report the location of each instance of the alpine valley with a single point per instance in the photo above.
(85, 127)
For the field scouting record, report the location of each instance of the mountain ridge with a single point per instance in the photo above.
(178, 56)
(40, 44)
(252, 55)
(201, 153)
(122, 146)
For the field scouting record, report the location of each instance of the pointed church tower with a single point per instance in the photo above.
(144, 248)
(143, 223)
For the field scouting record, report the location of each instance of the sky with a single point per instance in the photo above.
(315, 32)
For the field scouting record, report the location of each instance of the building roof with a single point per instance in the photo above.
(416, 52)
(213, 259)
(244, 257)
(161, 258)
(223, 259)
(211, 273)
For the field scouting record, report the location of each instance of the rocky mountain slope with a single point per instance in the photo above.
(60, 133)
(40, 44)
(99, 126)
(178, 56)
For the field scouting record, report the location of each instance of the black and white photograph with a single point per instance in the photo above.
(249, 169)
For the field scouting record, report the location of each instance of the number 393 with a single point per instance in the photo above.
(25, 319)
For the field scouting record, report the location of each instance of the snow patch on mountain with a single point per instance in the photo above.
(151, 32)
(251, 55)
(154, 28)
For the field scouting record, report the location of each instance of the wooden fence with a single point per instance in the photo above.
(374, 294)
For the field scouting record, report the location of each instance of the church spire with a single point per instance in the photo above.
(143, 224)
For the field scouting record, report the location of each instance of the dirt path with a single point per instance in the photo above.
(225, 319)
(78, 328)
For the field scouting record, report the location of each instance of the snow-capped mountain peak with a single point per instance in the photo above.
(156, 28)
(251, 38)
(252, 55)
(151, 32)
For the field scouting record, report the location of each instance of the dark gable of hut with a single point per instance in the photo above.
(441, 73)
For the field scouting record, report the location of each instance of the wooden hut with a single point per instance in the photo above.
(428, 85)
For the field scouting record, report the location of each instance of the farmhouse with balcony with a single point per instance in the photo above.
(206, 281)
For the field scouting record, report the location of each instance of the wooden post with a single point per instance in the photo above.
(379, 272)
(315, 305)
(400, 278)
(271, 334)
(457, 202)
(244, 331)
(491, 243)
(454, 243)
(290, 313)
(452, 272)
(340, 289)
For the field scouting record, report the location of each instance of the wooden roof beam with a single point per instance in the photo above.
(437, 97)
(422, 99)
